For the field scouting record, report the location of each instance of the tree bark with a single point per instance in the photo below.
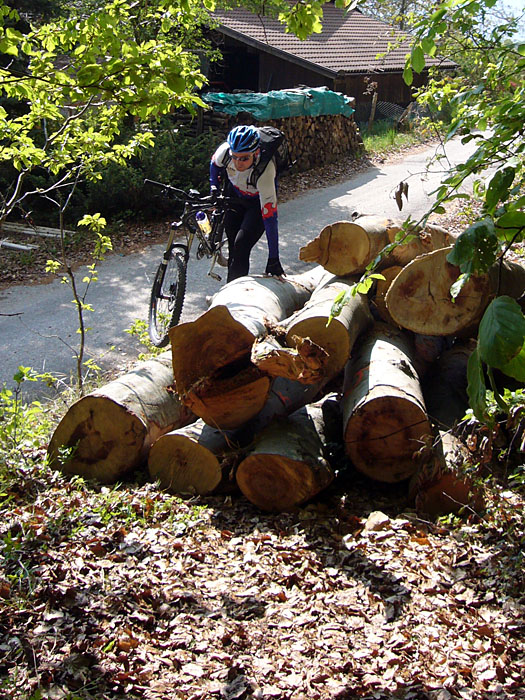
(338, 338)
(213, 372)
(191, 460)
(419, 297)
(109, 432)
(199, 459)
(288, 464)
(346, 247)
(384, 414)
(445, 386)
(440, 485)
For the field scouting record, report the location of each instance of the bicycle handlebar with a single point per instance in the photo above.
(193, 197)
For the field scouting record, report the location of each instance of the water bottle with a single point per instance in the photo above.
(203, 222)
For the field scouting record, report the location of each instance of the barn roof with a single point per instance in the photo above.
(349, 43)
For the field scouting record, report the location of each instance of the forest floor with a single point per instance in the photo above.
(125, 591)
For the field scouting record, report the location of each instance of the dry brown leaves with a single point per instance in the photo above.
(132, 593)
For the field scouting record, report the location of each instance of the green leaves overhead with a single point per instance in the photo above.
(304, 19)
(84, 76)
(89, 75)
(510, 226)
(499, 185)
(476, 248)
(477, 389)
(501, 332)
(418, 58)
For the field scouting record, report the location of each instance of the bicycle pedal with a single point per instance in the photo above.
(215, 276)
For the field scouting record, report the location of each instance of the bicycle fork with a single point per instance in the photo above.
(212, 274)
(215, 243)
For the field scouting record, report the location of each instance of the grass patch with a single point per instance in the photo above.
(384, 139)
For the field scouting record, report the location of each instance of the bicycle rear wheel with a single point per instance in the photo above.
(167, 297)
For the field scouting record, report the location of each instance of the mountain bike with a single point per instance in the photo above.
(169, 285)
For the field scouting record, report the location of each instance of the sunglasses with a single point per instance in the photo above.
(242, 159)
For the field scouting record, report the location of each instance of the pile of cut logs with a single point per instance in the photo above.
(313, 141)
(256, 391)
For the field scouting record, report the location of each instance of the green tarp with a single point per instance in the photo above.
(299, 102)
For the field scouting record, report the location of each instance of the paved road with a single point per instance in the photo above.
(38, 323)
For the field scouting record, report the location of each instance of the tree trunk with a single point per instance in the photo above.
(384, 414)
(381, 288)
(428, 239)
(288, 464)
(346, 247)
(304, 363)
(419, 297)
(191, 460)
(109, 432)
(440, 485)
(338, 338)
(199, 458)
(213, 372)
(445, 386)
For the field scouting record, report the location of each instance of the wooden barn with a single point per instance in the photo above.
(349, 54)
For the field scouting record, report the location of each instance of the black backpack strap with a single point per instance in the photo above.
(259, 168)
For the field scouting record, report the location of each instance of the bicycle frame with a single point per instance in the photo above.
(209, 246)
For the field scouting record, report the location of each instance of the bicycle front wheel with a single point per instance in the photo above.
(167, 297)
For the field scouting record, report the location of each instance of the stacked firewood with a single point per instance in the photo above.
(317, 141)
(256, 391)
(313, 141)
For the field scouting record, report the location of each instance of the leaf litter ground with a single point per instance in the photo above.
(128, 592)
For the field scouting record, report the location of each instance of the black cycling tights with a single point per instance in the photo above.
(244, 226)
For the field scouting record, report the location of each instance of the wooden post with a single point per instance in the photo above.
(372, 111)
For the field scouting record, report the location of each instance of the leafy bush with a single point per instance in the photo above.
(177, 158)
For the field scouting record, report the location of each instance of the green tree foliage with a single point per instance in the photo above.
(80, 79)
(69, 85)
(397, 13)
(488, 104)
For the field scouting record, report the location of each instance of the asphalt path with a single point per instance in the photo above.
(38, 323)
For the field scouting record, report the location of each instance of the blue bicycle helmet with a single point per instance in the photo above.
(243, 139)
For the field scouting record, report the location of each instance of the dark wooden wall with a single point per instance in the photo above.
(244, 67)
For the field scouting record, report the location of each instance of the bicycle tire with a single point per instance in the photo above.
(167, 298)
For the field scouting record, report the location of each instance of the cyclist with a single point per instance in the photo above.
(256, 211)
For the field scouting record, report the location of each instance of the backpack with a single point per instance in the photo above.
(273, 145)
